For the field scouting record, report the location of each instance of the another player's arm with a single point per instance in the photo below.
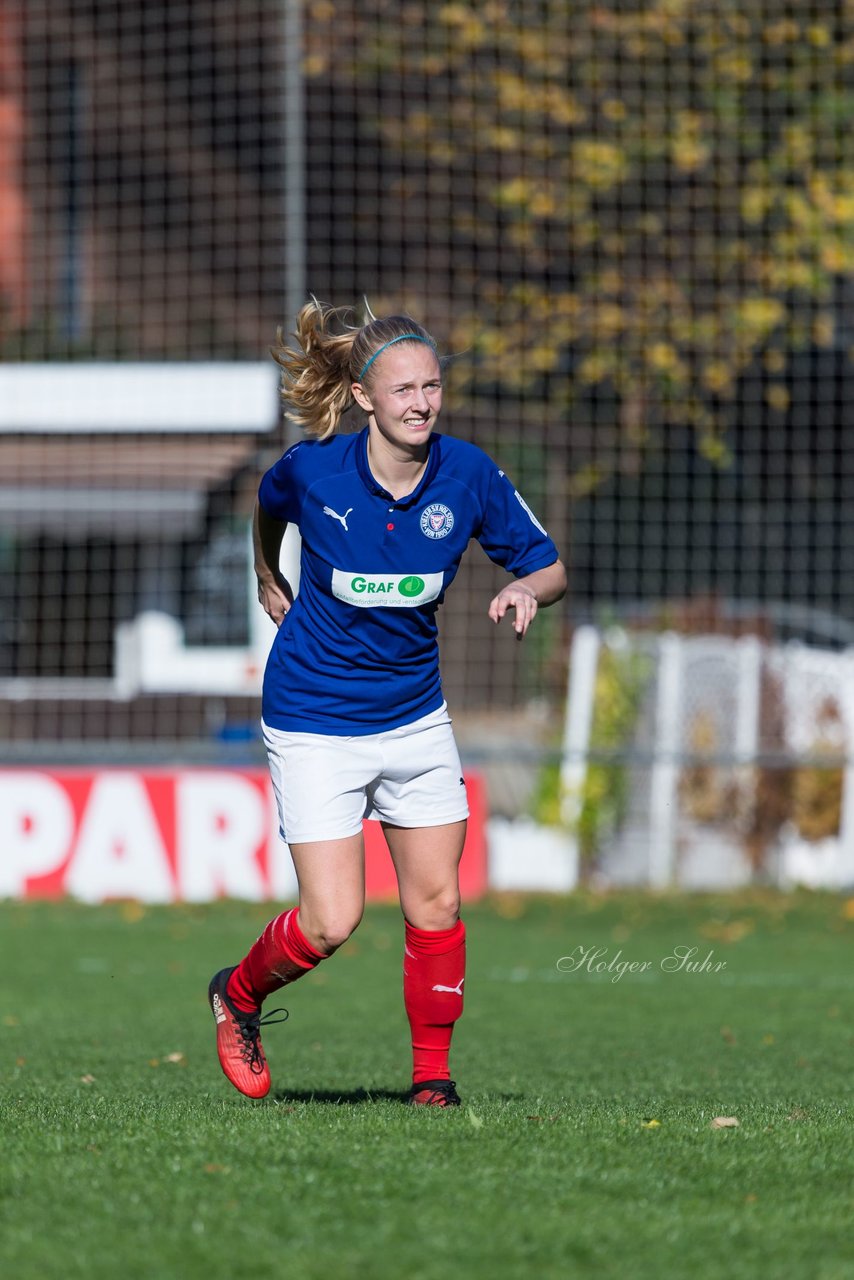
(526, 595)
(274, 592)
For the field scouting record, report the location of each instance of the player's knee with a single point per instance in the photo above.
(442, 911)
(331, 932)
(450, 913)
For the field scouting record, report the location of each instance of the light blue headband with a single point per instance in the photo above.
(413, 337)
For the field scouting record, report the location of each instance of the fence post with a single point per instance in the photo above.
(846, 820)
(748, 697)
(580, 700)
(665, 769)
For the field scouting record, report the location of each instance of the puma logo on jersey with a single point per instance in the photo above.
(327, 511)
(456, 991)
(218, 1011)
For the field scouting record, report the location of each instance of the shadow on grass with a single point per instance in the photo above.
(350, 1097)
(344, 1098)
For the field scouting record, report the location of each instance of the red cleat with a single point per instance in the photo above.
(434, 1093)
(238, 1039)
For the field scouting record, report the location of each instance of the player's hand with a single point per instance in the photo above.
(276, 597)
(519, 597)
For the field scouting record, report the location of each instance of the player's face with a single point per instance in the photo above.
(405, 394)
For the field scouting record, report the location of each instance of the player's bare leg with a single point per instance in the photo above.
(331, 876)
(426, 860)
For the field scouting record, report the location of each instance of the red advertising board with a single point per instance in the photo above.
(188, 835)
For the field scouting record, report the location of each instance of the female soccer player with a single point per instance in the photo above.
(353, 716)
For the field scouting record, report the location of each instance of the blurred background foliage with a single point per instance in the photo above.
(622, 680)
(645, 198)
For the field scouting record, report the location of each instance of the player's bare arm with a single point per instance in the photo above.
(274, 592)
(526, 595)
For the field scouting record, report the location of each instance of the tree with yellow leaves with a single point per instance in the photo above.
(647, 196)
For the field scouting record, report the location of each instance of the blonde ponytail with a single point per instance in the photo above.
(315, 382)
(317, 378)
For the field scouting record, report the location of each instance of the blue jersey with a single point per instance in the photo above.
(358, 651)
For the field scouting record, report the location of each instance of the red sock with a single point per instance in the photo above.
(434, 967)
(281, 955)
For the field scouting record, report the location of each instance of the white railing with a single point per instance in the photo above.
(716, 716)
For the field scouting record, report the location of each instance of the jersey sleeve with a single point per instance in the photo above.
(510, 533)
(282, 489)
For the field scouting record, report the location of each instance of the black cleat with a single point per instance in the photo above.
(434, 1093)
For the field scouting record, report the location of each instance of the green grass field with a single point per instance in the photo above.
(584, 1146)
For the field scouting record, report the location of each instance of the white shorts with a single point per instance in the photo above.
(325, 785)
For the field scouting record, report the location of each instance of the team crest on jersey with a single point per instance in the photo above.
(437, 520)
